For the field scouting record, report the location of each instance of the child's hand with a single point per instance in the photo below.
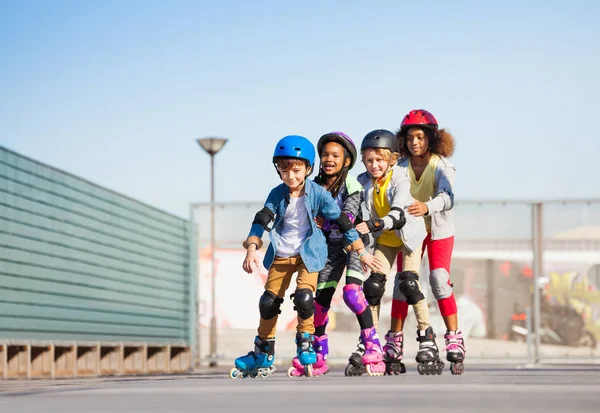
(418, 209)
(369, 260)
(362, 228)
(250, 259)
(319, 221)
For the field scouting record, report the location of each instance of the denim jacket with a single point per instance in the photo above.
(319, 202)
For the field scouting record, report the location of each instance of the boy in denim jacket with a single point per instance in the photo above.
(296, 245)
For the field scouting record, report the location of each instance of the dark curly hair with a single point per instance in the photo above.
(441, 142)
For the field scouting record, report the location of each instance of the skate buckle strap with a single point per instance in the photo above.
(368, 345)
(395, 337)
(427, 338)
(454, 346)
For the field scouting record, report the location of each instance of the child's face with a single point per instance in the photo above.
(417, 141)
(376, 164)
(294, 177)
(332, 158)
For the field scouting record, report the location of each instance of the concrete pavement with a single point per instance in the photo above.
(483, 388)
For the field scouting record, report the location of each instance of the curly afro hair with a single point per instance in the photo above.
(441, 142)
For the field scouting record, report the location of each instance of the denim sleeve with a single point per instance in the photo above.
(271, 203)
(331, 212)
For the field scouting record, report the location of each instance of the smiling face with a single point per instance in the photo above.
(293, 172)
(376, 162)
(417, 141)
(332, 158)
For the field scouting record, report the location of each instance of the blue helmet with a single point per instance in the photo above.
(294, 146)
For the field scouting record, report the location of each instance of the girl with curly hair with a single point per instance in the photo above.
(424, 149)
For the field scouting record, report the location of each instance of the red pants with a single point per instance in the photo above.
(439, 253)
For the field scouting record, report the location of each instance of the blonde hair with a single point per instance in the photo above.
(386, 154)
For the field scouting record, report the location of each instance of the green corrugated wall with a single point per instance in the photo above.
(80, 262)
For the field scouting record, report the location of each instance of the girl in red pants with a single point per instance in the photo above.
(424, 149)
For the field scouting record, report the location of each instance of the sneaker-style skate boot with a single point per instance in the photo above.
(393, 353)
(373, 357)
(355, 365)
(455, 351)
(256, 363)
(428, 355)
(321, 347)
(305, 353)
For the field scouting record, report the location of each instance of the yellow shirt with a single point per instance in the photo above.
(423, 189)
(382, 207)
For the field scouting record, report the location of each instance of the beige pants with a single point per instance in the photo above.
(280, 276)
(411, 261)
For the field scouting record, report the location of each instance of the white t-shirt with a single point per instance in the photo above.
(296, 226)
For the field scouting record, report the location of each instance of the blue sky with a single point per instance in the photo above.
(117, 91)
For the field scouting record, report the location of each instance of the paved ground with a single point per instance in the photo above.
(482, 388)
(233, 343)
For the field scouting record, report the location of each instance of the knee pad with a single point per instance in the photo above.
(374, 288)
(355, 298)
(304, 303)
(439, 279)
(269, 304)
(410, 288)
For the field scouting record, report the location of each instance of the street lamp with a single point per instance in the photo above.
(212, 146)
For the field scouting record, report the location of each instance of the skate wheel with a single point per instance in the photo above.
(420, 369)
(253, 375)
(263, 375)
(290, 370)
(233, 373)
(439, 367)
(352, 371)
(308, 370)
(372, 373)
(457, 368)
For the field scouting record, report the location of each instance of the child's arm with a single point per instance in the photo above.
(261, 222)
(395, 219)
(352, 202)
(444, 198)
(332, 212)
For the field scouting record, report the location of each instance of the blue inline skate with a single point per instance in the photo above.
(256, 363)
(306, 354)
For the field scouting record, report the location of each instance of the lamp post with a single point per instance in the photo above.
(212, 146)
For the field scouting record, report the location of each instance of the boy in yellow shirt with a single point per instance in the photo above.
(387, 194)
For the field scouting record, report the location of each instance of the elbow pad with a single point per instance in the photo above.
(375, 225)
(401, 221)
(264, 218)
(344, 223)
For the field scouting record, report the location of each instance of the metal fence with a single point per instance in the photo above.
(501, 248)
